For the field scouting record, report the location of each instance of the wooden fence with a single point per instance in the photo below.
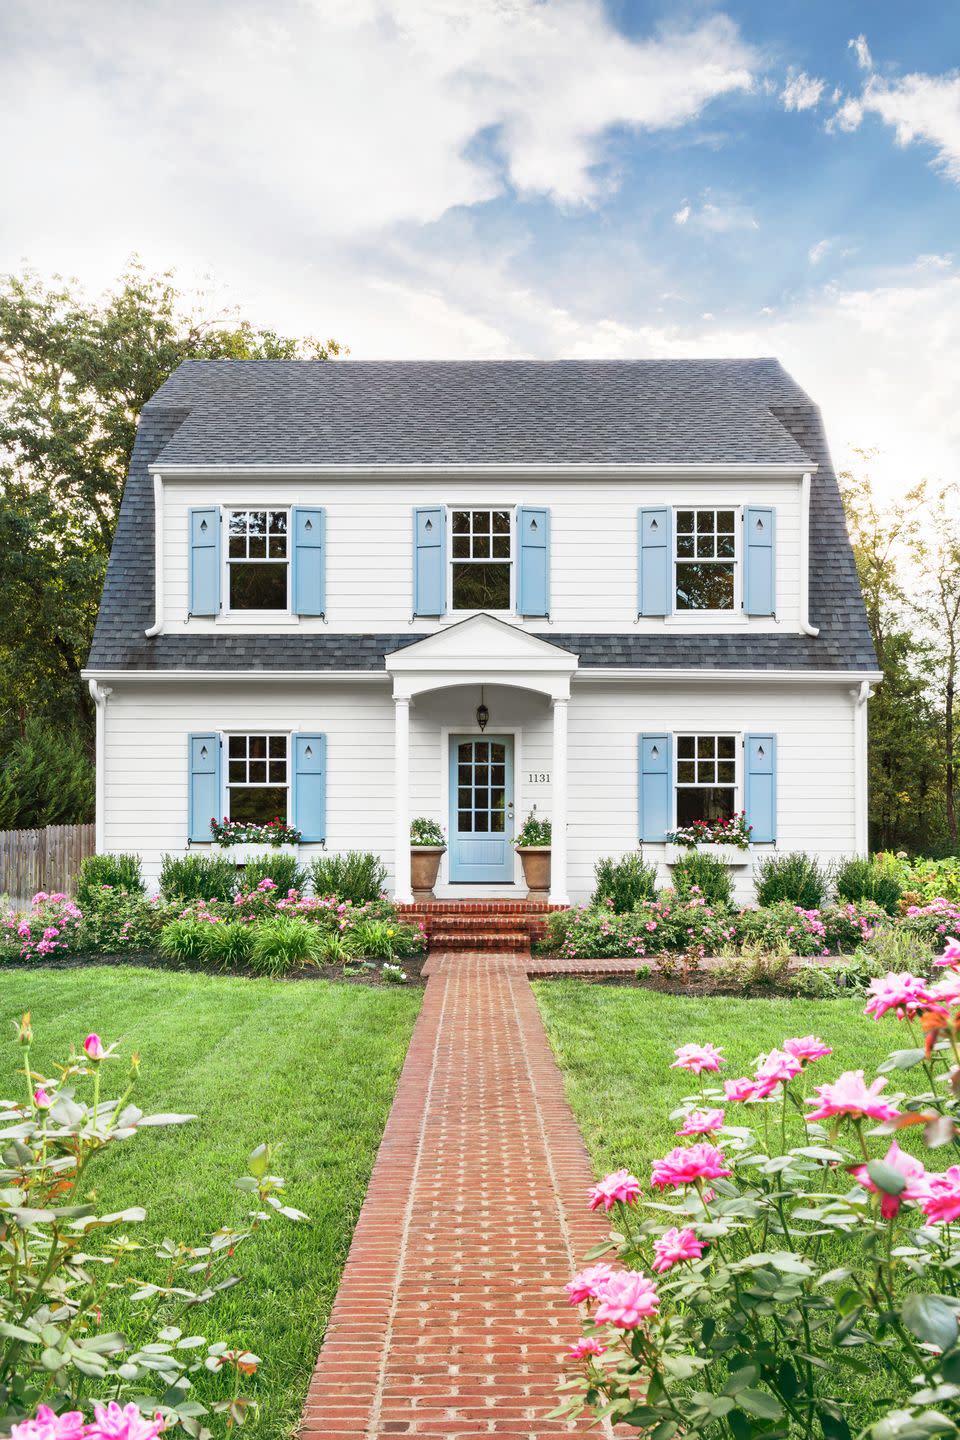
(47, 859)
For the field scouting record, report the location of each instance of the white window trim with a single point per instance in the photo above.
(695, 617)
(738, 742)
(225, 786)
(257, 616)
(511, 507)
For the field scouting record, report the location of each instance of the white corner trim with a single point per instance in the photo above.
(860, 698)
(99, 694)
(805, 625)
(517, 472)
(158, 577)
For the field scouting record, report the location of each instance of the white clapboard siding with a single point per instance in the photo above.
(593, 560)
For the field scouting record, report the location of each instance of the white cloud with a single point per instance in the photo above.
(722, 216)
(681, 216)
(861, 49)
(920, 109)
(802, 91)
(817, 252)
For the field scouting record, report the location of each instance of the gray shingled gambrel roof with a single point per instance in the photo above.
(213, 399)
(292, 412)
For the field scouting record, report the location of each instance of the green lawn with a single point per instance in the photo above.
(615, 1045)
(311, 1066)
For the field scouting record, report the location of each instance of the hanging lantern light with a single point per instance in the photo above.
(483, 714)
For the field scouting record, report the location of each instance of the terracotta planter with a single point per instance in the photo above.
(536, 870)
(424, 865)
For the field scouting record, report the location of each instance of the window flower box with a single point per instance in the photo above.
(243, 854)
(727, 854)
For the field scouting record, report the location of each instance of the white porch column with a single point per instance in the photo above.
(403, 892)
(558, 867)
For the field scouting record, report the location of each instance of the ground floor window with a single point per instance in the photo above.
(706, 778)
(258, 778)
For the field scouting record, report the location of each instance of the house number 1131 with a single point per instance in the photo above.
(538, 777)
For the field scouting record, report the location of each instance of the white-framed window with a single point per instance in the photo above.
(706, 559)
(707, 781)
(481, 558)
(258, 777)
(258, 560)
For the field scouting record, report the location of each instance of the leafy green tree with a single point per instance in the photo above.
(74, 376)
(936, 557)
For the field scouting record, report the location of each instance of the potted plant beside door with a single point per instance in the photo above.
(426, 849)
(533, 847)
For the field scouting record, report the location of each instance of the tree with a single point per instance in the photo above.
(936, 555)
(74, 376)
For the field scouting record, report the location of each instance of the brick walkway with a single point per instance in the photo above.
(451, 1319)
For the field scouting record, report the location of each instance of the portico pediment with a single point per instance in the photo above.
(486, 649)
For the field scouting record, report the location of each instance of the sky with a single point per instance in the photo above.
(513, 178)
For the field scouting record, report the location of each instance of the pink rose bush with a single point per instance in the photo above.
(807, 1223)
(65, 1374)
(50, 927)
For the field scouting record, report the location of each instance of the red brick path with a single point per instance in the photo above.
(451, 1319)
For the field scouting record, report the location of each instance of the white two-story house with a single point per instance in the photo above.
(637, 571)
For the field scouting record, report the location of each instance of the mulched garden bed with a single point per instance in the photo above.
(367, 973)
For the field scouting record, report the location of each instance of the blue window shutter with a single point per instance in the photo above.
(429, 560)
(655, 540)
(310, 786)
(309, 560)
(203, 783)
(533, 578)
(760, 786)
(759, 571)
(655, 765)
(205, 560)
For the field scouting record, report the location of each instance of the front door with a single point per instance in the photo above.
(481, 808)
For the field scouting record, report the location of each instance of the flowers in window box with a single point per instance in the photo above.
(734, 831)
(240, 832)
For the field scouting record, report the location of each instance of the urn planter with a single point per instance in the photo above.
(536, 870)
(424, 867)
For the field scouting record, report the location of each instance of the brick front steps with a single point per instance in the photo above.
(451, 1319)
(481, 925)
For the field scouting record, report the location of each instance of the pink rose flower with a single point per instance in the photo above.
(697, 1058)
(740, 1090)
(585, 1285)
(675, 1246)
(907, 1166)
(625, 1299)
(941, 1203)
(946, 991)
(112, 1423)
(688, 1163)
(850, 1095)
(42, 1098)
(621, 1185)
(775, 1069)
(902, 992)
(583, 1349)
(951, 952)
(47, 1426)
(807, 1048)
(701, 1122)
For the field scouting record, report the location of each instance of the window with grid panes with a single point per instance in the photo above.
(481, 559)
(257, 560)
(705, 560)
(481, 787)
(258, 778)
(706, 778)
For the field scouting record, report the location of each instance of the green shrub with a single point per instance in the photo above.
(875, 879)
(374, 939)
(198, 877)
(356, 876)
(333, 948)
(185, 940)
(705, 873)
(46, 778)
(926, 879)
(846, 927)
(115, 920)
(781, 927)
(625, 883)
(283, 870)
(228, 945)
(282, 944)
(120, 871)
(799, 878)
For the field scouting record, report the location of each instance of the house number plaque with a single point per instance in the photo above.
(538, 777)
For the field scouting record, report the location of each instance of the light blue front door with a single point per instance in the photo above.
(481, 808)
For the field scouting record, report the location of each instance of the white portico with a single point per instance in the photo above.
(474, 781)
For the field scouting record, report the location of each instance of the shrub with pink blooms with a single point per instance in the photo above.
(64, 1374)
(51, 927)
(789, 1269)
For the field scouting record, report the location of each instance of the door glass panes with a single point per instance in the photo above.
(257, 560)
(705, 559)
(481, 558)
(481, 787)
(706, 778)
(257, 778)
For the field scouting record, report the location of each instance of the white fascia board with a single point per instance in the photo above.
(796, 677)
(312, 676)
(791, 471)
(608, 674)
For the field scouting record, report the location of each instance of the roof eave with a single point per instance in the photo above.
(784, 470)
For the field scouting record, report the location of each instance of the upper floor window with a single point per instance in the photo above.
(258, 560)
(482, 560)
(706, 560)
(257, 778)
(706, 778)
